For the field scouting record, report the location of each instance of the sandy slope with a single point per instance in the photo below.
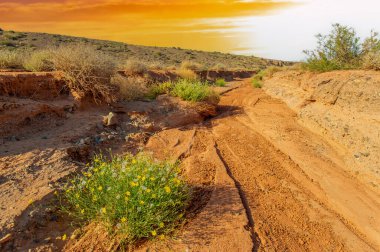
(292, 182)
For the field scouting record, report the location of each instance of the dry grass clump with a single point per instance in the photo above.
(372, 60)
(130, 88)
(187, 74)
(39, 61)
(10, 59)
(134, 67)
(87, 71)
(190, 65)
(219, 67)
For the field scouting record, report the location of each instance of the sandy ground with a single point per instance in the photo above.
(262, 180)
(293, 183)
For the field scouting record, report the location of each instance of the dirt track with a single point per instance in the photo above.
(296, 194)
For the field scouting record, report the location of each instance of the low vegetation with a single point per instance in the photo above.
(130, 88)
(39, 61)
(134, 197)
(220, 83)
(134, 67)
(87, 71)
(10, 59)
(342, 49)
(186, 89)
(163, 56)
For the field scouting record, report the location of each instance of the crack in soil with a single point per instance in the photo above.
(251, 224)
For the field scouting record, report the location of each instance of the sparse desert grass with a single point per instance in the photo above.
(135, 197)
(191, 65)
(39, 61)
(130, 88)
(187, 74)
(10, 59)
(193, 90)
(134, 67)
(87, 71)
(220, 83)
(219, 67)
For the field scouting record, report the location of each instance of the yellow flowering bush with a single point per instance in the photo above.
(134, 196)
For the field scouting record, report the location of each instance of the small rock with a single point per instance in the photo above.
(110, 119)
(357, 155)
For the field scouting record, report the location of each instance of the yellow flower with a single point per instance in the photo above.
(154, 233)
(92, 189)
(126, 198)
(89, 174)
(180, 216)
(148, 190)
(154, 195)
(94, 198)
(142, 202)
(177, 181)
(167, 189)
(30, 201)
(134, 184)
(100, 188)
(161, 225)
(162, 237)
(143, 178)
(138, 177)
(123, 219)
(82, 211)
(152, 178)
(103, 210)
(96, 170)
(64, 237)
(128, 193)
(134, 161)
(77, 195)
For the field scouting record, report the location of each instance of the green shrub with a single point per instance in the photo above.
(256, 83)
(163, 88)
(193, 90)
(133, 196)
(10, 59)
(220, 83)
(340, 49)
(39, 61)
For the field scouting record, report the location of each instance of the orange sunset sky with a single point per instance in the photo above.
(278, 29)
(196, 24)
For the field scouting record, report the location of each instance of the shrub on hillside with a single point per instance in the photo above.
(190, 65)
(87, 71)
(219, 67)
(187, 74)
(134, 67)
(371, 60)
(340, 49)
(39, 61)
(135, 197)
(10, 59)
(130, 88)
